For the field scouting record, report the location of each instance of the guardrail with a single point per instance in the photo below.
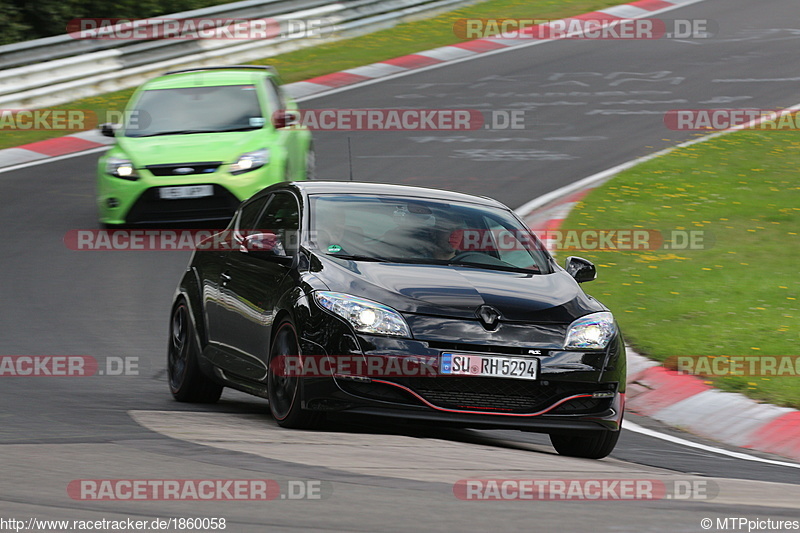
(60, 69)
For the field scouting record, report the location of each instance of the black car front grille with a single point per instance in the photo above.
(496, 394)
(580, 406)
(150, 208)
(483, 348)
(485, 394)
(377, 391)
(184, 169)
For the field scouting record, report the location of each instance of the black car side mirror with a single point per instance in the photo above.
(580, 269)
(108, 129)
(265, 246)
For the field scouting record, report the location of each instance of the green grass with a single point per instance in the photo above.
(737, 296)
(332, 57)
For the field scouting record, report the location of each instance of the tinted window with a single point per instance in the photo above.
(282, 217)
(424, 231)
(248, 216)
(196, 110)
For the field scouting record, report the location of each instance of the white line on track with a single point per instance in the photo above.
(480, 55)
(54, 159)
(525, 209)
(373, 81)
(630, 426)
(533, 204)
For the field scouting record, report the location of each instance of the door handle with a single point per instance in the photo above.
(225, 277)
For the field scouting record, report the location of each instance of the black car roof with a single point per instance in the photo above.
(357, 187)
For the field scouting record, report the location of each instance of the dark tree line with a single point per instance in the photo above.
(23, 20)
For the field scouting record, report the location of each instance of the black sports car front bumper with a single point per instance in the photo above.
(574, 390)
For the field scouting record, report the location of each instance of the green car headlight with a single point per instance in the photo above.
(591, 332)
(121, 168)
(364, 315)
(250, 161)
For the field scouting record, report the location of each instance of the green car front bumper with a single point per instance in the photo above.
(137, 201)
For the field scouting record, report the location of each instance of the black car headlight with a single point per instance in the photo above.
(121, 168)
(591, 332)
(364, 315)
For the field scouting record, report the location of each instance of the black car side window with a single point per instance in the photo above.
(282, 217)
(249, 214)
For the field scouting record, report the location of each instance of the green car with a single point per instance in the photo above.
(196, 143)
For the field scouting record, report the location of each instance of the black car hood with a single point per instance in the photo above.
(458, 292)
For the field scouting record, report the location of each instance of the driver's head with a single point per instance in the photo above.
(443, 237)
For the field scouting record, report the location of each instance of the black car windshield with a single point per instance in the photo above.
(414, 230)
(195, 110)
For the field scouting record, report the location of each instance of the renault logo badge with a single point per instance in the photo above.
(488, 316)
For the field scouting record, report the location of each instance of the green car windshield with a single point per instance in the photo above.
(413, 230)
(188, 110)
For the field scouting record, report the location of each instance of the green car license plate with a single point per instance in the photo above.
(189, 191)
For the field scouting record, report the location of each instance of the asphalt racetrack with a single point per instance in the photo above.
(588, 105)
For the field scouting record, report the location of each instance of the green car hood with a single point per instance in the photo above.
(191, 148)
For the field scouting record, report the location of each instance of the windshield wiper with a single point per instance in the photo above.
(489, 266)
(177, 132)
(357, 257)
(244, 128)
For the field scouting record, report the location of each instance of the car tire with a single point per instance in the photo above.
(283, 391)
(187, 383)
(589, 445)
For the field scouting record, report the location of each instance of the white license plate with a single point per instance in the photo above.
(456, 364)
(188, 191)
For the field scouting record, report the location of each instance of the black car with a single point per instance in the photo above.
(402, 302)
